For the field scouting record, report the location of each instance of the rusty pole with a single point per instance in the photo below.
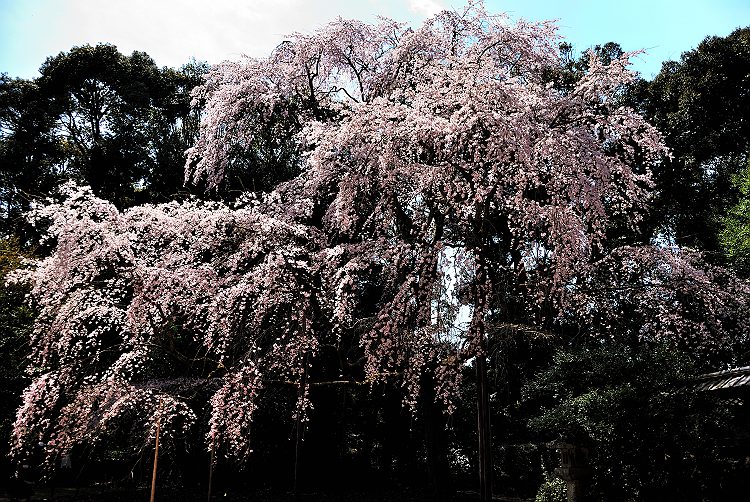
(156, 452)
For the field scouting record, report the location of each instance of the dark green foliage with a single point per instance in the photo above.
(15, 326)
(103, 100)
(702, 104)
(124, 123)
(573, 68)
(652, 437)
(735, 235)
(117, 123)
(30, 152)
(172, 130)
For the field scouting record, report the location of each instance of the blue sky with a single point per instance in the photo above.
(212, 30)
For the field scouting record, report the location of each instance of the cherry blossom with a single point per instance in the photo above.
(447, 191)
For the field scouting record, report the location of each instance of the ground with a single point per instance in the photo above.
(107, 493)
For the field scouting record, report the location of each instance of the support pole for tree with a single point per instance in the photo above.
(156, 452)
(300, 427)
(483, 427)
(211, 466)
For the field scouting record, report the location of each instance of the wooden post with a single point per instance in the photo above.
(156, 452)
(211, 466)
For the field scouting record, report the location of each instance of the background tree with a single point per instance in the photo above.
(574, 66)
(735, 235)
(115, 122)
(124, 122)
(701, 104)
(171, 130)
(30, 152)
(102, 99)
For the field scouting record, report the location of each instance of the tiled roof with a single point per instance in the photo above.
(738, 377)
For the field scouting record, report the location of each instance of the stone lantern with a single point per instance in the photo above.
(574, 470)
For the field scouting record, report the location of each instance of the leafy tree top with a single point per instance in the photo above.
(701, 103)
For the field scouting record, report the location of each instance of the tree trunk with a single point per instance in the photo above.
(480, 293)
(436, 444)
(483, 428)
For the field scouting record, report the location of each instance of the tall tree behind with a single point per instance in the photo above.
(702, 104)
(30, 153)
(124, 123)
(735, 234)
(172, 129)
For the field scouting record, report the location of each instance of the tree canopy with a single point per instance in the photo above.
(446, 192)
(30, 154)
(378, 206)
